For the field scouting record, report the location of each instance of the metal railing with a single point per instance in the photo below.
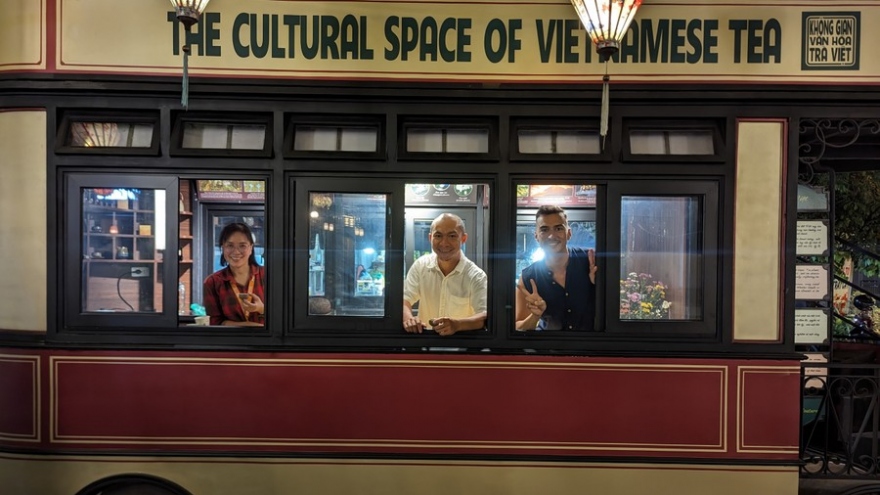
(840, 421)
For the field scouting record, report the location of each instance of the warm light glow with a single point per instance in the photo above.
(606, 21)
(94, 134)
(188, 11)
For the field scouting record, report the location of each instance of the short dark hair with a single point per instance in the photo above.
(227, 232)
(545, 210)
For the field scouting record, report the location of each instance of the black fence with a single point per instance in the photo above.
(840, 422)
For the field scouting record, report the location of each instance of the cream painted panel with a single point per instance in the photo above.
(23, 226)
(22, 35)
(320, 477)
(759, 182)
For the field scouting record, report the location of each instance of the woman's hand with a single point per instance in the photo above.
(253, 304)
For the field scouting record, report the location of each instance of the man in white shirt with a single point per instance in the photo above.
(450, 289)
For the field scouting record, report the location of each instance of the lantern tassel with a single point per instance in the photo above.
(184, 95)
(603, 125)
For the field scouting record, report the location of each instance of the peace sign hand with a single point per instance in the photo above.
(536, 304)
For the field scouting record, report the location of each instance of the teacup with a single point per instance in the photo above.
(203, 321)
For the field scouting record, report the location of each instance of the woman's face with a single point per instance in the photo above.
(237, 249)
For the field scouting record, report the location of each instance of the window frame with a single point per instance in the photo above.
(340, 121)
(716, 129)
(181, 118)
(70, 117)
(518, 124)
(490, 124)
(709, 192)
(74, 318)
(305, 324)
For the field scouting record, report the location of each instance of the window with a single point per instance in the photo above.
(346, 256)
(665, 278)
(109, 134)
(347, 248)
(197, 135)
(425, 140)
(467, 138)
(660, 258)
(326, 138)
(676, 142)
(554, 221)
(335, 136)
(563, 142)
(218, 135)
(140, 248)
(117, 238)
(683, 142)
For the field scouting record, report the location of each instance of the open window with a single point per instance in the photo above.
(140, 247)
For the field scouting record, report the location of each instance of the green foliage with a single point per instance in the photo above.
(857, 217)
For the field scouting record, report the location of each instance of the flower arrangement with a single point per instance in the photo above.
(643, 298)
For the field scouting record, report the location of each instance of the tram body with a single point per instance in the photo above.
(103, 375)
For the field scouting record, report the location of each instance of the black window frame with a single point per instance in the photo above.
(305, 324)
(69, 117)
(181, 118)
(709, 192)
(340, 121)
(716, 128)
(518, 124)
(407, 123)
(72, 257)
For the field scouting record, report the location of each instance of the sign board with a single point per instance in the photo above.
(819, 372)
(810, 326)
(687, 41)
(811, 199)
(811, 282)
(812, 238)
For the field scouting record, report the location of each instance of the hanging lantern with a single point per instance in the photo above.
(606, 21)
(188, 13)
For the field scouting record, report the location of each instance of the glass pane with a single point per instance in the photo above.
(648, 143)
(577, 142)
(142, 136)
(424, 140)
(559, 142)
(363, 139)
(248, 137)
(467, 141)
(535, 142)
(110, 135)
(691, 143)
(347, 235)
(672, 143)
(205, 136)
(122, 257)
(315, 139)
(660, 258)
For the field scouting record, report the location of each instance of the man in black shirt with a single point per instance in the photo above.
(559, 291)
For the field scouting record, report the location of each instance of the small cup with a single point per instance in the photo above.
(203, 321)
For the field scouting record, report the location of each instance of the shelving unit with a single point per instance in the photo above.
(120, 262)
(185, 243)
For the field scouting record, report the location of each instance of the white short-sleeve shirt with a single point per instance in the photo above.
(460, 294)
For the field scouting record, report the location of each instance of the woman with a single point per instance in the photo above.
(234, 295)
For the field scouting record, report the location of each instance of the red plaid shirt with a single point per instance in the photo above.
(221, 303)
